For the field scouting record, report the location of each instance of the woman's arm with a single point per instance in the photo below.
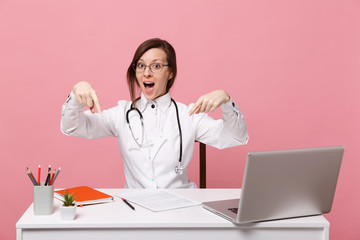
(229, 131)
(88, 124)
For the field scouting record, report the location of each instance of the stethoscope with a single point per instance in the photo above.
(178, 169)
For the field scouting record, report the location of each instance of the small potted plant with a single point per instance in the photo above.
(68, 210)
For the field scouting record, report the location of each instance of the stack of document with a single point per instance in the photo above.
(158, 200)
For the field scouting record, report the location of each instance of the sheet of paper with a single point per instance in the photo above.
(158, 200)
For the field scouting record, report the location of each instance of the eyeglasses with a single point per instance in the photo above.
(154, 67)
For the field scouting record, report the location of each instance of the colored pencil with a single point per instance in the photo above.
(52, 177)
(32, 180)
(57, 173)
(32, 176)
(39, 171)
(47, 181)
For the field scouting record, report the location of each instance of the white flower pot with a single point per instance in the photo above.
(68, 213)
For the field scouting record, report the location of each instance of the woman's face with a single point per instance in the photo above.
(153, 85)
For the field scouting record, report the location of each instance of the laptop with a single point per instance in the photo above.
(284, 184)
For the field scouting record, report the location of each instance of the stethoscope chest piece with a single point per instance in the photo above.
(179, 169)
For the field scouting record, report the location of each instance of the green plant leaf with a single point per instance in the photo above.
(68, 198)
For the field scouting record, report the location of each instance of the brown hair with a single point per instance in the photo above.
(145, 46)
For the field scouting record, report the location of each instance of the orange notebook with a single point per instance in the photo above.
(85, 195)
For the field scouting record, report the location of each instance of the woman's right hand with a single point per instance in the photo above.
(86, 95)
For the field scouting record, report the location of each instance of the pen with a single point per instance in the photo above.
(39, 171)
(127, 203)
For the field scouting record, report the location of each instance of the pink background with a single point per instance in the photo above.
(293, 67)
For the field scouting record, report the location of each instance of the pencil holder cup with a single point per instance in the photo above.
(43, 199)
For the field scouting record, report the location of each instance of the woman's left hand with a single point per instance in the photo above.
(210, 102)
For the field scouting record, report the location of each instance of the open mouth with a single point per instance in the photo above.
(149, 84)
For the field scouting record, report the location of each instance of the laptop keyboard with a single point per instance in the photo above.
(234, 210)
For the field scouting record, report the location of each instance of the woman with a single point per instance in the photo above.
(157, 152)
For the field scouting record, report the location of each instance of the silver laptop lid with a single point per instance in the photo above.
(289, 183)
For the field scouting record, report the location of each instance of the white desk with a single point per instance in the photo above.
(117, 221)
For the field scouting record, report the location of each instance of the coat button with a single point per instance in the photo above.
(152, 105)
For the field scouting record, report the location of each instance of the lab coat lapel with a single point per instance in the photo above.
(145, 149)
(163, 103)
(157, 145)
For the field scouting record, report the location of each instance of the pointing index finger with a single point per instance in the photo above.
(96, 102)
(195, 107)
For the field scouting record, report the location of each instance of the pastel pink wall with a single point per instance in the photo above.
(293, 67)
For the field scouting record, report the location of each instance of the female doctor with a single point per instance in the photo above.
(155, 134)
